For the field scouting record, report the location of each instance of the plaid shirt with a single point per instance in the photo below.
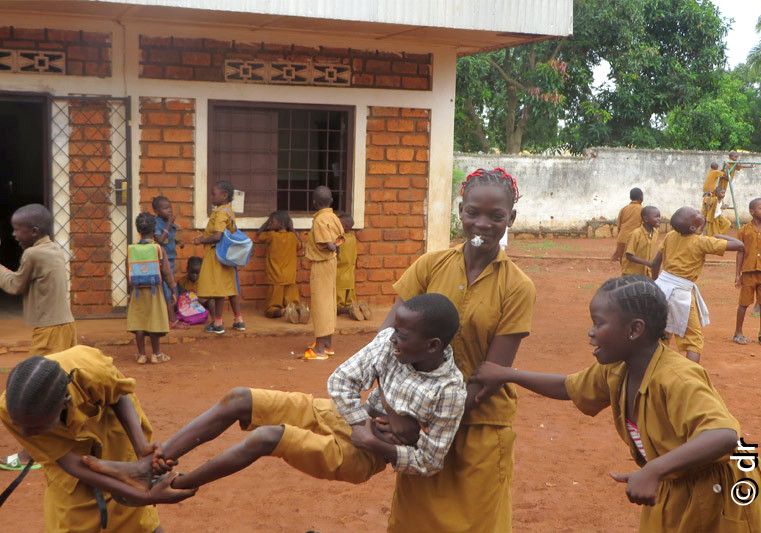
(435, 399)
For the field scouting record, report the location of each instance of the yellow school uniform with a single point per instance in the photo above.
(43, 281)
(146, 310)
(684, 256)
(750, 280)
(629, 219)
(91, 427)
(187, 284)
(642, 244)
(280, 268)
(715, 224)
(326, 227)
(712, 181)
(347, 262)
(217, 280)
(316, 438)
(675, 402)
(472, 492)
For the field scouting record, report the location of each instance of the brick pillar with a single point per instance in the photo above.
(396, 186)
(89, 186)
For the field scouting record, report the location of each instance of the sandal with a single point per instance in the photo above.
(160, 358)
(13, 463)
(141, 359)
(741, 339)
(311, 355)
(331, 352)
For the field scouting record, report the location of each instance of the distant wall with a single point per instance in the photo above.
(583, 194)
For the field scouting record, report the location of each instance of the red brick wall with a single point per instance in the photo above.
(203, 60)
(89, 223)
(87, 53)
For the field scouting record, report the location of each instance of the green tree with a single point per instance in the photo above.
(719, 121)
(754, 57)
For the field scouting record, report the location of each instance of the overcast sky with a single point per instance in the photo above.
(742, 34)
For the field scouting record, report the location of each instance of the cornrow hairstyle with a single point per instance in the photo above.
(35, 387)
(145, 223)
(157, 200)
(227, 187)
(284, 219)
(639, 297)
(496, 176)
(440, 318)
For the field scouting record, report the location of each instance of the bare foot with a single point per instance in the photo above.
(137, 474)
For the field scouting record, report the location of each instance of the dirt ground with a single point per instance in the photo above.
(562, 457)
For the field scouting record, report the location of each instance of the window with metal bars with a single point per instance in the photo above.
(278, 153)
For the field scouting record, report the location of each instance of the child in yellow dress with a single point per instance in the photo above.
(74, 403)
(217, 281)
(323, 241)
(147, 308)
(346, 296)
(281, 261)
(665, 409)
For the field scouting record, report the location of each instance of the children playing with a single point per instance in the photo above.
(712, 180)
(43, 281)
(680, 262)
(346, 296)
(323, 241)
(748, 264)
(166, 235)
(716, 222)
(409, 420)
(217, 281)
(642, 245)
(147, 308)
(280, 268)
(665, 408)
(628, 220)
(74, 403)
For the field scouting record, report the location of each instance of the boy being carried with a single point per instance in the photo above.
(748, 277)
(642, 245)
(409, 420)
(682, 256)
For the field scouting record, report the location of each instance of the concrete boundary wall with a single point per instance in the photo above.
(579, 195)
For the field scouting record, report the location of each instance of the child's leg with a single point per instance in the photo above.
(140, 342)
(169, 302)
(219, 306)
(741, 309)
(155, 342)
(692, 342)
(235, 304)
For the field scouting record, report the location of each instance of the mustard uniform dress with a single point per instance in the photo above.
(280, 268)
(146, 310)
(345, 269)
(675, 402)
(472, 493)
(326, 228)
(91, 428)
(217, 280)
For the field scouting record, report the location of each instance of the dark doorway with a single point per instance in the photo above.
(23, 168)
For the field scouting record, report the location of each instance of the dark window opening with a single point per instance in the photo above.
(277, 154)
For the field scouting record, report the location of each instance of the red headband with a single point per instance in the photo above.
(500, 172)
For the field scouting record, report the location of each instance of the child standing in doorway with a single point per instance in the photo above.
(217, 281)
(147, 308)
(281, 263)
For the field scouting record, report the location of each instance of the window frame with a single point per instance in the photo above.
(351, 110)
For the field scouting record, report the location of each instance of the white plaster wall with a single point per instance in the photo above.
(565, 193)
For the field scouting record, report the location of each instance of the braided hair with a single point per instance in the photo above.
(639, 297)
(227, 187)
(36, 386)
(495, 177)
(145, 223)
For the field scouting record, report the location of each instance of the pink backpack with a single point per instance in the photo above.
(189, 309)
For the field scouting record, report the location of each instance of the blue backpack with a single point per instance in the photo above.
(234, 248)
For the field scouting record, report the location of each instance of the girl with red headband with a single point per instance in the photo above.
(495, 300)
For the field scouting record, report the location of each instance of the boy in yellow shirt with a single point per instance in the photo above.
(322, 243)
(682, 256)
(748, 264)
(628, 220)
(346, 297)
(642, 245)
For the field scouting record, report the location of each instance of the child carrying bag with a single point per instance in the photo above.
(234, 248)
(144, 265)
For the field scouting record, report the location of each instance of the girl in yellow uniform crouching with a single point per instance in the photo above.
(74, 403)
(677, 427)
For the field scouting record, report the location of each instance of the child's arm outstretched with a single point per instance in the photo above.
(16, 282)
(492, 376)
(733, 245)
(130, 421)
(707, 447)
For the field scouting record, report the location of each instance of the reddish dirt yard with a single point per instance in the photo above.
(562, 457)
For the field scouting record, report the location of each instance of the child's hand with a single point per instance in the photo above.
(491, 376)
(641, 486)
(160, 464)
(362, 434)
(331, 246)
(162, 492)
(397, 429)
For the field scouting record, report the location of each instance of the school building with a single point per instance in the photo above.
(104, 105)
